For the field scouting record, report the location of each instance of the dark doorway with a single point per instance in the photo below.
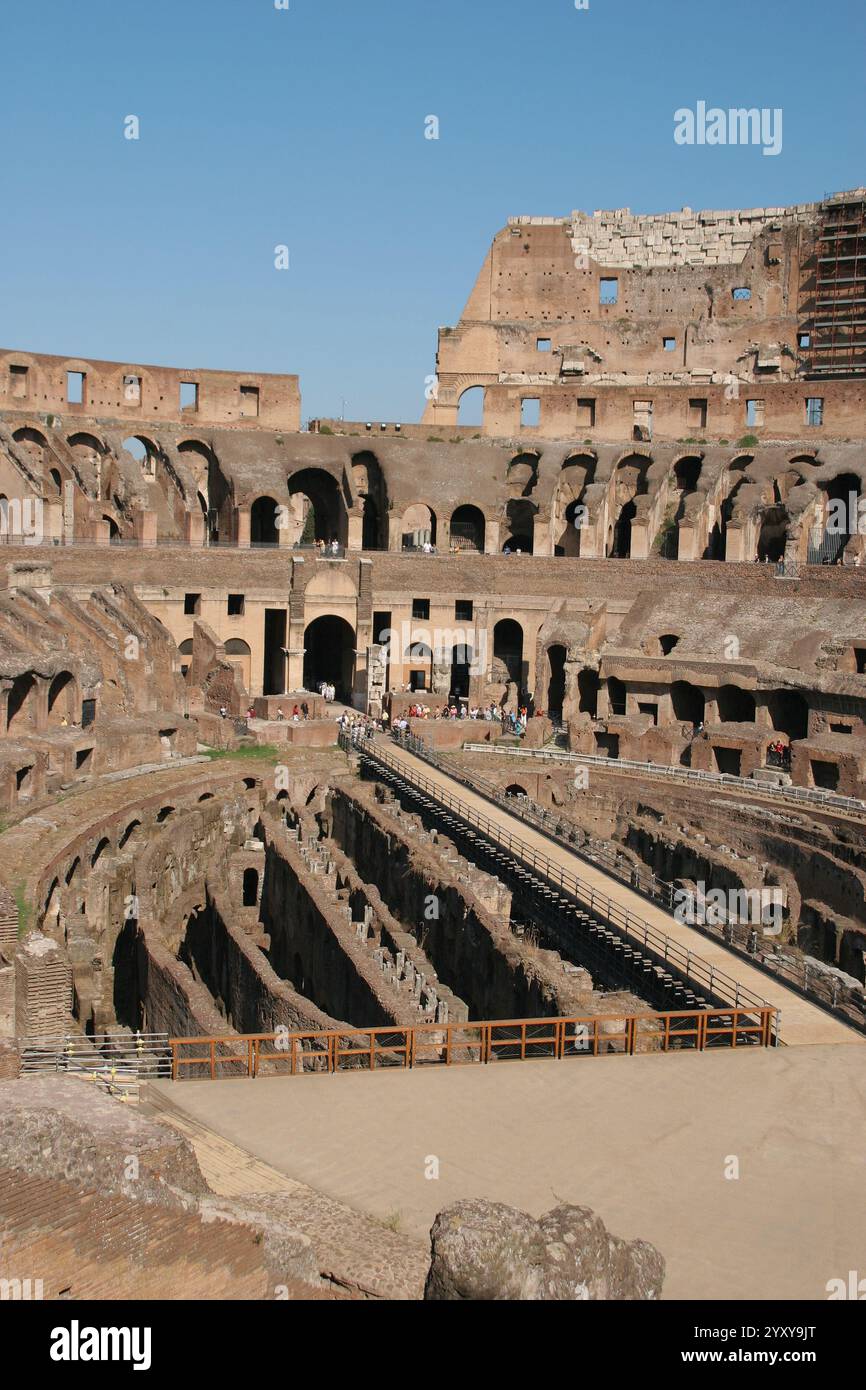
(508, 648)
(461, 660)
(251, 887)
(621, 547)
(587, 688)
(329, 655)
(274, 675)
(263, 522)
(556, 684)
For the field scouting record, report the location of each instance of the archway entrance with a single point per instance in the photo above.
(467, 529)
(329, 655)
(322, 514)
(508, 648)
(263, 522)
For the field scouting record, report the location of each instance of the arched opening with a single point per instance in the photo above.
(556, 680)
(508, 650)
(629, 482)
(667, 642)
(239, 654)
(419, 526)
(263, 522)
(62, 698)
(587, 692)
(21, 700)
(33, 441)
(97, 854)
(717, 541)
(185, 649)
(113, 528)
(522, 475)
(370, 487)
(620, 546)
(687, 471)
(841, 520)
(470, 407)
(577, 473)
(317, 493)
(164, 814)
(128, 833)
(520, 523)
(773, 535)
(56, 481)
(251, 888)
(329, 656)
(467, 528)
(688, 703)
(789, 712)
(736, 706)
(144, 451)
(515, 789)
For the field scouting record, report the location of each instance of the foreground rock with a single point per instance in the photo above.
(485, 1250)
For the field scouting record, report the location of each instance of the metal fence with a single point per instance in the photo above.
(812, 796)
(455, 1044)
(118, 1062)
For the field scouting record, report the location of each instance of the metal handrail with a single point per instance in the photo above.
(812, 795)
(690, 965)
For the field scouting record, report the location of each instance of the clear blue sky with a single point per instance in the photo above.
(306, 127)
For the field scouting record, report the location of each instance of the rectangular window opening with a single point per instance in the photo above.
(132, 390)
(543, 345)
(463, 610)
(530, 412)
(742, 292)
(669, 344)
(191, 603)
(75, 384)
(18, 382)
(755, 413)
(586, 412)
(249, 402)
(608, 291)
(189, 395)
(235, 605)
(698, 412)
(421, 608)
(815, 410)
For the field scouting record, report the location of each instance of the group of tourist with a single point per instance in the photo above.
(331, 547)
(299, 712)
(512, 722)
(327, 691)
(778, 754)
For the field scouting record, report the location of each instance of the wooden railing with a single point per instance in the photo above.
(450, 1044)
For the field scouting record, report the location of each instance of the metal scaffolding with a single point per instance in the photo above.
(834, 330)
